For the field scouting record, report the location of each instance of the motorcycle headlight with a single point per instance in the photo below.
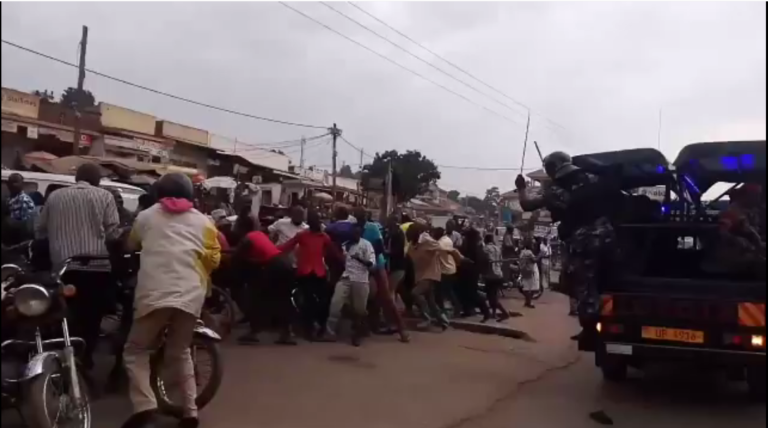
(31, 300)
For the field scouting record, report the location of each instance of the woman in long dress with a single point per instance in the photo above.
(529, 272)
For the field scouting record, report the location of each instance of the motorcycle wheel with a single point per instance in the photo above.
(36, 408)
(220, 312)
(205, 392)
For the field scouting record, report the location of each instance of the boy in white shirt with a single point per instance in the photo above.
(353, 287)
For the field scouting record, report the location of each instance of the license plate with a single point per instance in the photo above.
(673, 335)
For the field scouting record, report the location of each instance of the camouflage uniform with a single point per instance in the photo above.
(586, 247)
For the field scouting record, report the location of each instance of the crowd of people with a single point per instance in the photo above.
(303, 271)
(298, 270)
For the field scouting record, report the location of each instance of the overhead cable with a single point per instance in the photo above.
(489, 86)
(165, 94)
(472, 168)
(390, 60)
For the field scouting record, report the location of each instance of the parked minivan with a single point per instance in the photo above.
(46, 183)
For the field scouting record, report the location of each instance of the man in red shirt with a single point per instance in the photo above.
(270, 276)
(313, 247)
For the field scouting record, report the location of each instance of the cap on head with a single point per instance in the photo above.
(175, 185)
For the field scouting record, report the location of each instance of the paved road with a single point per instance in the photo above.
(661, 399)
(452, 380)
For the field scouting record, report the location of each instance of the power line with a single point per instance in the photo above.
(384, 57)
(282, 144)
(471, 168)
(418, 57)
(295, 150)
(454, 65)
(165, 94)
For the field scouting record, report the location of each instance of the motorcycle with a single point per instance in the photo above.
(36, 370)
(204, 343)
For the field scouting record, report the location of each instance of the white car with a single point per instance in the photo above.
(46, 183)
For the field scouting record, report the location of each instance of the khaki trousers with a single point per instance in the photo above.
(146, 336)
(346, 291)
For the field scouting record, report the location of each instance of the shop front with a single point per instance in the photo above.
(191, 145)
(137, 148)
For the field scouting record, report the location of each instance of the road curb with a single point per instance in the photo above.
(495, 329)
(490, 328)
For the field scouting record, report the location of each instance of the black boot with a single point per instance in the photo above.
(145, 419)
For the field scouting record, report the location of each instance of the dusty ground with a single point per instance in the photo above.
(452, 380)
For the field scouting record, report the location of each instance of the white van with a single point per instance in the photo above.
(46, 183)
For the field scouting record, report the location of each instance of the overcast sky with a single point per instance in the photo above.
(595, 74)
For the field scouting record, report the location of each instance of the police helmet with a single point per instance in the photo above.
(174, 185)
(558, 164)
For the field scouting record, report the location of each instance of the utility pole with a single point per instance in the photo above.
(80, 81)
(335, 132)
(361, 159)
(301, 160)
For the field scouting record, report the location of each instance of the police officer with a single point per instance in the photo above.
(582, 203)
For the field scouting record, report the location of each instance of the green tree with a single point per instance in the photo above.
(412, 172)
(72, 98)
(475, 203)
(346, 172)
(454, 195)
(492, 198)
(45, 96)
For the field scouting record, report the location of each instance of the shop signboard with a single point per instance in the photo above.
(20, 103)
(542, 231)
(32, 132)
(10, 126)
(151, 147)
(66, 136)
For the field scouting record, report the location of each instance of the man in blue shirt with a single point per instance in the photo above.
(22, 206)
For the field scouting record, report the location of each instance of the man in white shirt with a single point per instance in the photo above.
(446, 290)
(286, 228)
(545, 254)
(353, 287)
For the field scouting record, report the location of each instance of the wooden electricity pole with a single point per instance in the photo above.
(335, 132)
(79, 97)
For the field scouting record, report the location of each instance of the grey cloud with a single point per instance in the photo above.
(603, 70)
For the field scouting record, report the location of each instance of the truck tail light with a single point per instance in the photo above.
(758, 341)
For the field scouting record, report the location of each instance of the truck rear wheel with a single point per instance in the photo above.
(615, 369)
(756, 382)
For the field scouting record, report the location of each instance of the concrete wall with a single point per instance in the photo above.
(183, 133)
(116, 117)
